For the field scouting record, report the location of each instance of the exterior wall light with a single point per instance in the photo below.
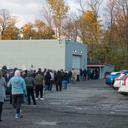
(75, 51)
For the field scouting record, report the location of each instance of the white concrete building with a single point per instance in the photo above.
(50, 54)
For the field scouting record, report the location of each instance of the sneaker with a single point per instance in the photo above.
(41, 98)
(17, 116)
(36, 98)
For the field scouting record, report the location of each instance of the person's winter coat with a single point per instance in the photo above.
(2, 89)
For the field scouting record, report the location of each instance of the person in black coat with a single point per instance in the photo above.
(47, 80)
(58, 81)
(30, 84)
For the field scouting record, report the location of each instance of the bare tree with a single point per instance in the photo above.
(82, 4)
(6, 22)
(47, 16)
(118, 14)
(123, 7)
(70, 29)
(95, 5)
(116, 36)
(4, 19)
(59, 11)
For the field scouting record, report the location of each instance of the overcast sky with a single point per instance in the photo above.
(28, 10)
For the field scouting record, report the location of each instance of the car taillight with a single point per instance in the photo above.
(124, 82)
(117, 79)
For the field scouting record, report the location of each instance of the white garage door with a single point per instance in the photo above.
(76, 62)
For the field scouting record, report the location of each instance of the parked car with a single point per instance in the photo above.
(110, 78)
(106, 74)
(123, 89)
(118, 81)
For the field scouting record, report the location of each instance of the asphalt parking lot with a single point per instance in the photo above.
(86, 104)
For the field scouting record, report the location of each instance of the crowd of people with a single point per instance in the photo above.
(31, 84)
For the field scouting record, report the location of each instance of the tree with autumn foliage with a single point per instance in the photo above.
(116, 35)
(26, 30)
(10, 33)
(43, 31)
(7, 24)
(90, 27)
(90, 32)
(37, 30)
(59, 10)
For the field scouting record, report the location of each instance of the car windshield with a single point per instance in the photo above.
(123, 77)
(114, 73)
(126, 72)
(120, 76)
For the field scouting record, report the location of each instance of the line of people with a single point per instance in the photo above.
(89, 74)
(30, 84)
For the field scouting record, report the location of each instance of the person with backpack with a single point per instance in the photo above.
(39, 85)
(30, 84)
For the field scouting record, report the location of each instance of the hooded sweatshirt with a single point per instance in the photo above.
(18, 85)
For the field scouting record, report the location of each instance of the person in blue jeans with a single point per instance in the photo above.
(65, 80)
(18, 90)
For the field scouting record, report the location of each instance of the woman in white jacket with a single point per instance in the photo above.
(2, 92)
